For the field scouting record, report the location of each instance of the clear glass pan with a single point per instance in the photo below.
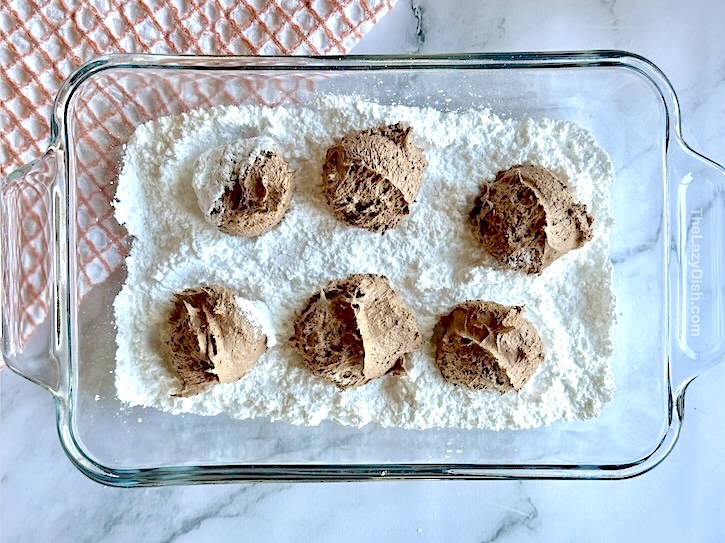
(667, 251)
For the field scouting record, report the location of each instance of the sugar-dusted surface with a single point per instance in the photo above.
(214, 172)
(431, 259)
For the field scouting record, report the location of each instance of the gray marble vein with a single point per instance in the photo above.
(418, 13)
(523, 517)
(248, 496)
(501, 27)
(623, 256)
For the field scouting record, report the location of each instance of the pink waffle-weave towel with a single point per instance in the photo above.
(43, 41)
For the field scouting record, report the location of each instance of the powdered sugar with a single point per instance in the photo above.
(215, 171)
(258, 315)
(431, 259)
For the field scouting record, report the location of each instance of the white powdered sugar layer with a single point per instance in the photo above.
(258, 315)
(215, 171)
(431, 259)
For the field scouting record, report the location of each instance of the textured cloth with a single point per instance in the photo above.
(42, 42)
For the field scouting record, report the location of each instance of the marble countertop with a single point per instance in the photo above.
(44, 498)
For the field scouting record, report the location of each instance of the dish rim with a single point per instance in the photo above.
(676, 380)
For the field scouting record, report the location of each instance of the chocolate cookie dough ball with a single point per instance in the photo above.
(214, 337)
(372, 177)
(355, 330)
(526, 218)
(487, 346)
(244, 188)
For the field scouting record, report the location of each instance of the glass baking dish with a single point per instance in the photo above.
(666, 247)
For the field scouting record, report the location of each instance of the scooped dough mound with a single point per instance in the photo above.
(372, 177)
(214, 337)
(487, 346)
(355, 330)
(526, 218)
(244, 188)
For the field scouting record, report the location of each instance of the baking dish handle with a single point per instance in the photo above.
(26, 259)
(698, 305)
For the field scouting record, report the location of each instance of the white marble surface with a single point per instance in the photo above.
(44, 498)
